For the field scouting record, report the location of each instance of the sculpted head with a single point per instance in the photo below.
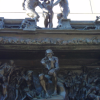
(29, 73)
(49, 53)
(12, 62)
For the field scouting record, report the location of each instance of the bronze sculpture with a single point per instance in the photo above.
(29, 81)
(18, 82)
(64, 7)
(24, 82)
(6, 70)
(48, 13)
(93, 93)
(5, 88)
(29, 6)
(47, 8)
(5, 73)
(51, 63)
(64, 10)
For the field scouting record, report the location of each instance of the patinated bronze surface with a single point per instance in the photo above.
(28, 24)
(51, 63)
(47, 7)
(29, 6)
(78, 52)
(64, 10)
(24, 83)
(48, 13)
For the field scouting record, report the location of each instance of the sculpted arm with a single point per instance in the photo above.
(40, 5)
(11, 71)
(43, 62)
(56, 64)
(23, 1)
(51, 2)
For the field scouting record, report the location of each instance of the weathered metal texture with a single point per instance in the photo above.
(65, 24)
(16, 23)
(21, 44)
(76, 83)
(78, 52)
(28, 24)
(42, 39)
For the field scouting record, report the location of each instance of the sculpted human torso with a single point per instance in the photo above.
(51, 63)
(47, 6)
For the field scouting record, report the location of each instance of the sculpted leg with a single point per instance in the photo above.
(16, 94)
(59, 17)
(42, 82)
(65, 12)
(36, 16)
(50, 20)
(33, 14)
(46, 22)
(5, 97)
(5, 93)
(64, 8)
(55, 89)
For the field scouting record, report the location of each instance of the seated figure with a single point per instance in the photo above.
(51, 63)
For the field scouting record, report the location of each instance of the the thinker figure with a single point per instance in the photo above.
(29, 6)
(51, 63)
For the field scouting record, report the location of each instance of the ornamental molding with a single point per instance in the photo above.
(58, 41)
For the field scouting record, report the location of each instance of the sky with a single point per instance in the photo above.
(80, 10)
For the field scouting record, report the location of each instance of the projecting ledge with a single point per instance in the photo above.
(50, 31)
(44, 47)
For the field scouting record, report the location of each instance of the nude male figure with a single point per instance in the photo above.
(29, 6)
(51, 63)
(64, 10)
(5, 74)
(48, 13)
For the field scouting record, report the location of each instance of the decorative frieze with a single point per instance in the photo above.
(59, 41)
